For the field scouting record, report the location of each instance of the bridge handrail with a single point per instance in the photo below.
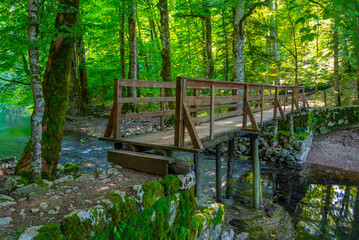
(187, 106)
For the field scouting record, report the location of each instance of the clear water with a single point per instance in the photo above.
(324, 203)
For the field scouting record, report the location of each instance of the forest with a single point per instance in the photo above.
(58, 63)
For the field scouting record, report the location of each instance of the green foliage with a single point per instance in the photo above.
(50, 231)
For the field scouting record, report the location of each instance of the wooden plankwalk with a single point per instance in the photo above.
(207, 113)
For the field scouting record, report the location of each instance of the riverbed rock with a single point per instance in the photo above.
(242, 236)
(29, 189)
(62, 181)
(5, 221)
(30, 233)
(13, 182)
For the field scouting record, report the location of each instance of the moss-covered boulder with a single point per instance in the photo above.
(171, 184)
(71, 169)
(147, 194)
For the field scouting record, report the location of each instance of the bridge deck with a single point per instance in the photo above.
(222, 127)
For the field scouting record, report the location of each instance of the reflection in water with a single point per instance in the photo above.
(323, 203)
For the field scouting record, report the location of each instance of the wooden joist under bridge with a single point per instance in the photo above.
(213, 112)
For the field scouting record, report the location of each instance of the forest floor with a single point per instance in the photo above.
(339, 149)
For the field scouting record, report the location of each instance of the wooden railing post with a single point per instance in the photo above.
(262, 104)
(117, 109)
(195, 93)
(181, 90)
(303, 98)
(275, 102)
(285, 98)
(162, 109)
(211, 126)
(293, 99)
(245, 99)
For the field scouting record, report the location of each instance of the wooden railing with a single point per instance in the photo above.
(217, 100)
(198, 101)
(114, 124)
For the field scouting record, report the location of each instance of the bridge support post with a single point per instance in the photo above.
(229, 183)
(256, 173)
(218, 174)
(197, 158)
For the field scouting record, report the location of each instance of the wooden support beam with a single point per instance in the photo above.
(109, 127)
(245, 106)
(256, 173)
(191, 128)
(179, 124)
(286, 98)
(195, 94)
(262, 103)
(116, 122)
(211, 126)
(162, 110)
(251, 116)
(197, 166)
(282, 114)
(218, 174)
(229, 183)
(276, 93)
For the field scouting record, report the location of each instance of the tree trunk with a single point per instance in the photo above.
(122, 41)
(208, 36)
(85, 90)
(36, 85)
(238, 42)
(75, 101)
(132, 73)
(166, 72)
(56, 87)
(336, 63)
(226, 45)
(275, 52)
(357, 49)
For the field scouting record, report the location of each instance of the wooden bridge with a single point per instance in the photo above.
(213, 112)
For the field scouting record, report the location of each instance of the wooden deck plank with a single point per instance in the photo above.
(222, 126)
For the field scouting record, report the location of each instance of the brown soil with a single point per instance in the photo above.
(339, 149)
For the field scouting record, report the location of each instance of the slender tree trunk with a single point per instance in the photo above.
(132, 73)
(36, 85)
(355, 224)
(336, 63)
(238, 42)
(75, 101)
(85, 90)
(226, 45)
(273, 33)
(357, 48)
(208, 37)
(166, 72)
(122, 41)
(56, 85)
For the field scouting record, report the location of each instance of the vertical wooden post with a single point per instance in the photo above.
(218, 174)
(303, 98)
(293, 99)
(276, 94)
(286, 98)
(245, 99)
(197, 158)
(162, 109)
(229, 185)
(116, 116)
(195, 93)
(256, 173)
(181, 90)
(220, 94)
(211, 126)
(262, 104)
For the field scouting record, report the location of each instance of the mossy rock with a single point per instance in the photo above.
(71, 168)
(152, 191)
(171, 184)
(123, 207)
(50, 231)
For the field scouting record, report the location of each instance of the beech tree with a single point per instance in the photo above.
(56, 86)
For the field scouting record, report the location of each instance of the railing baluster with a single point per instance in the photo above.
(181, 90)
(286, 98)
(211, 131)
(275, 102)
(292, 108)
(162, 110)
(262, 103)
(195, 93)
(116, 116)
(245, 99)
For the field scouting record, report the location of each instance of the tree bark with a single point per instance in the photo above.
(75, 100)
(122, 40)
(132, 73)
(357, 49)
(81, 56)
(208, 37)
(238, 42)
(226, 45)
(336, 62)
(37, 91)
(166, 72)
(56, 87)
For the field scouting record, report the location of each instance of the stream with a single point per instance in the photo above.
(323, 202)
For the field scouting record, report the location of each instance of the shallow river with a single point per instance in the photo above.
(323, 203)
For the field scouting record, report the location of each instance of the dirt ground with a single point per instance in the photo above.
(339, 149)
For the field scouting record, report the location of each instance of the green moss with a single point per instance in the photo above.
(152, 192)
(171, 184)
(124, 208)
(46, 176)
(219, 218)
(73, 228)
(70, 167)
(200, 219)
(50, 231)
(77, 175)
(41, 183)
